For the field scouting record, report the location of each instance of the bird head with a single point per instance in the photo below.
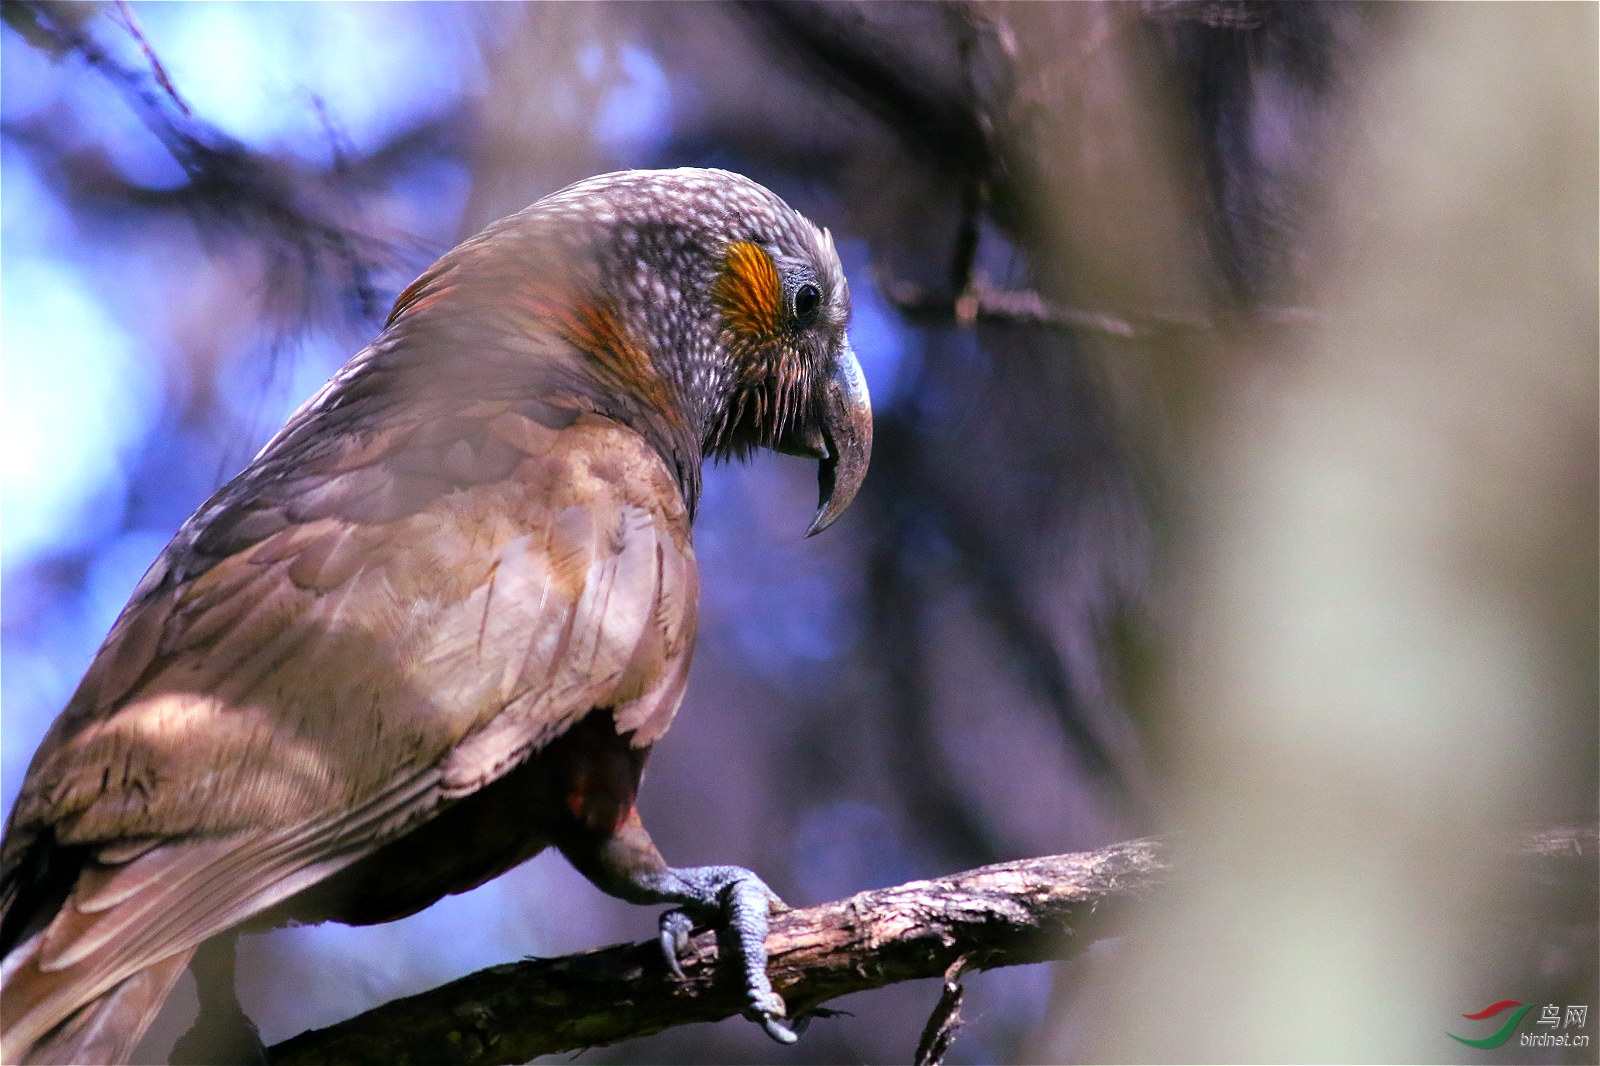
(693, 305)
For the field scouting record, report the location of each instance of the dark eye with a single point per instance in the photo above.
(807, 298)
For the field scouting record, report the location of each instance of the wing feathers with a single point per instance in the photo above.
(108, 1029)
(394, 630)
(169, 900)
(328, 561)
(133, 645)
(585, 656)
(668, 638)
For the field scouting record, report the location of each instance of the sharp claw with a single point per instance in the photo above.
(778, 1029)
(674, 938)
(768, 1009)
(669, 950)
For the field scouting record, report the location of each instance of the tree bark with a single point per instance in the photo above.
(1007, 914)
(1002, 915)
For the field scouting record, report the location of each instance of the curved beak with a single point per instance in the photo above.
(846, 440)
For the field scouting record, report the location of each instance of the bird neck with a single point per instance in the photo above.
(466, 338)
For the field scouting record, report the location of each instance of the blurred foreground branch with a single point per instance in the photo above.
(1008, 914)
(303, 216)
(980, 302)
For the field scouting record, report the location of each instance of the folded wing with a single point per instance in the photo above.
(327, 656)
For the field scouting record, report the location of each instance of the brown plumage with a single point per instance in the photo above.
(438, 623)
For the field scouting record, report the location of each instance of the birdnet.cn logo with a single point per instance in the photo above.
(1553, 1028)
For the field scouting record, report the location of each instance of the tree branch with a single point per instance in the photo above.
(981, 303)
(1032, 910)
(297, 214)
(936, 116)
(1002, 915)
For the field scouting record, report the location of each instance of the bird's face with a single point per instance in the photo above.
(782, 319)
(743, 307)
(692, 305)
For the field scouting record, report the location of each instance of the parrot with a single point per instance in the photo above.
(438, 623)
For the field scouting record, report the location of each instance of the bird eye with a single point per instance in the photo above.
(807, 298)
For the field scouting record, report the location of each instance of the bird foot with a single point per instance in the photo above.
(742, 901)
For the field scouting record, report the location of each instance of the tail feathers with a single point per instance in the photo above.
(64, 1016)
(106, 1029)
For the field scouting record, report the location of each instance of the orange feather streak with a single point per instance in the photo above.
(593, 329)
(749, 293)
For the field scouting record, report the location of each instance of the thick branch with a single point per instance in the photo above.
(1003, 915)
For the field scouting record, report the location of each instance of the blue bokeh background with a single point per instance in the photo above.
(142, 366)
(1164, 218)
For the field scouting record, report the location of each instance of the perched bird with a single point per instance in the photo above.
(437, 624)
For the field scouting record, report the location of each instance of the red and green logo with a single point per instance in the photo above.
(1490, 1011)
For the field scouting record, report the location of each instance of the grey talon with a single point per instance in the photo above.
(669, 950)
(675, 928)
(779, 1031)
(767, 1007)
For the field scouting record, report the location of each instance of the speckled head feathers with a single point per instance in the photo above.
(677, 245)
(692, 304)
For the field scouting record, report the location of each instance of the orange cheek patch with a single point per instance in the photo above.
(748, 291)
